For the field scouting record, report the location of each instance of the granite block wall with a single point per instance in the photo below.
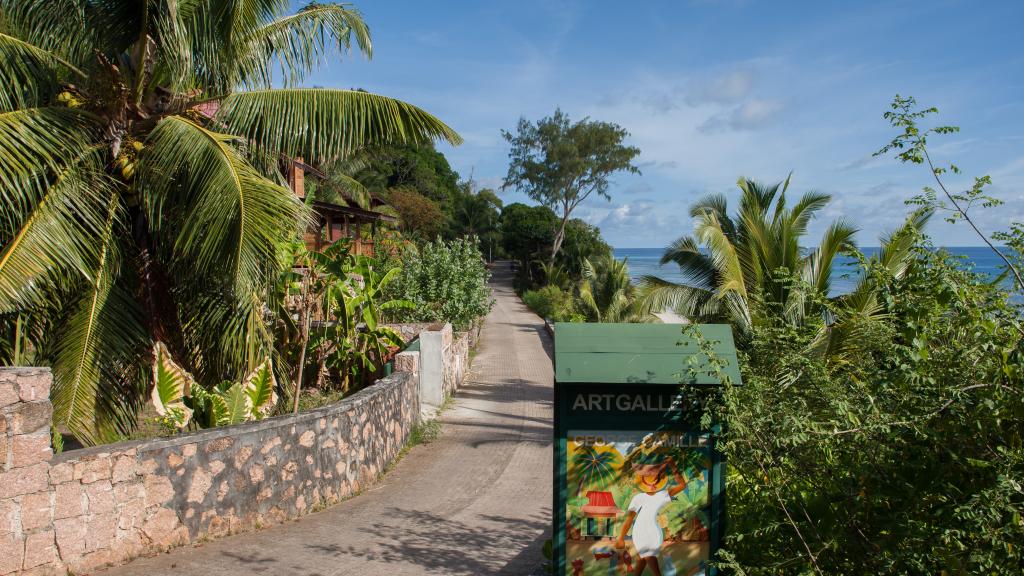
(89, 508)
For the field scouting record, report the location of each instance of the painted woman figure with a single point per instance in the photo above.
(642, 516)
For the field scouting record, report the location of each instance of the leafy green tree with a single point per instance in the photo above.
(912, 147)
(445, 281)
(419, 216)
(526, 231)
(583, 242)
(754, 256)
(142, 202)
(561, 163)
(476, 214)
(552, 302)
(418, 166)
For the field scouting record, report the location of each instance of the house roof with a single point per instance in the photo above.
(325, 208)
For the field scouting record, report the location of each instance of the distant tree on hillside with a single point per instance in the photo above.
(526, 231)
(476, 214)
(560, 163)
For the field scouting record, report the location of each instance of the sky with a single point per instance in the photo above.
(711, 91)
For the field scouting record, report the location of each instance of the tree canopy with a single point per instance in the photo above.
(560, 163)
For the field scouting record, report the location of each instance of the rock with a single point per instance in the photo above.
(29, 417)
(69, 500)
(124, 469)
(159, 490)
(36, 511)
(23, 480)
(29, 449)
(12, 550)
(100, 496)
(201, 482)
(93, 470)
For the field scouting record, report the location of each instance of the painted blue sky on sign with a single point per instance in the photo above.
(713, 90)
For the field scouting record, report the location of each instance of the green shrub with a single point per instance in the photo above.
(447, 281)
(551, 302)
(909, 445)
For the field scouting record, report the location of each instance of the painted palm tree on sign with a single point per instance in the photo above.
(594, 468)
(141, 196)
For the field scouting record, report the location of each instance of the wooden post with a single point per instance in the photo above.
(297, 178)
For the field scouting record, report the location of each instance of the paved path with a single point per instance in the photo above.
(475, 501)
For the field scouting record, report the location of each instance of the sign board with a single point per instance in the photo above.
(637, 481)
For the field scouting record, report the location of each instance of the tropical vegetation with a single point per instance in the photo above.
(142, 199)
(876, 432)
(443, 281)
(756, 255)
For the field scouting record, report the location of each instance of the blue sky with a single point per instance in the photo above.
(714, 90)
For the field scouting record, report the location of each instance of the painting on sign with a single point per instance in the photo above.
(638, 503)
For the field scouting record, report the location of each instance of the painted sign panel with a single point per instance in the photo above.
(637, 502)
(639, 483)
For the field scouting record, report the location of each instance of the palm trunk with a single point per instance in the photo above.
(161, 312)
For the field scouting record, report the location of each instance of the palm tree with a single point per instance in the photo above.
(854, 312)
(140, 192)
(607, 292)
(755, 256)
(591, 467)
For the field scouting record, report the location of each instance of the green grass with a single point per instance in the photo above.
(424, 433)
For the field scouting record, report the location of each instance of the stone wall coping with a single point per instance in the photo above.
(24, 370)
(363, 396)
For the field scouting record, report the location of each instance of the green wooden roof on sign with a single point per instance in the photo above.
(642, 353)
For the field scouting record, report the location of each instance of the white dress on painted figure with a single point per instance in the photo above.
(647, 534)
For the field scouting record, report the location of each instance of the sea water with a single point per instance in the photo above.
(981, 259)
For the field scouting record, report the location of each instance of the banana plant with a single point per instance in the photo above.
(354, 342)
(180, 400)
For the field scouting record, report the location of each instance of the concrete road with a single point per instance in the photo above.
(475, 501)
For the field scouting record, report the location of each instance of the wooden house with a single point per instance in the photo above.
(335, 222)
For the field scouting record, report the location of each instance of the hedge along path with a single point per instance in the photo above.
(475, 501)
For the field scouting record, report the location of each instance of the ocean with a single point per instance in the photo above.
(643, 261)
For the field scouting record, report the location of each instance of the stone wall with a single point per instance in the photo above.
(88, 508)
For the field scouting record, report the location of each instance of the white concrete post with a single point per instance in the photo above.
(431, 369)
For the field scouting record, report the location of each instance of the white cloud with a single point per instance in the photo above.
(750, 115)
(728, 88)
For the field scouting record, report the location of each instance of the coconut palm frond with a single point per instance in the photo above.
(236, 216)
(67, 33)
(29, 73)
(35, 144)
(718, 205)
(321, 125)
(698, 269)
(56, 233)
(233, 333)
(103, 332)
(723, 254)
(351, 190)
(896, 251)
(301, 42)
(804, 210)
(656, 295)
(838, 238)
